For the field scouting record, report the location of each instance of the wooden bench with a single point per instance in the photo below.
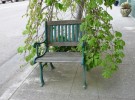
(61, 33)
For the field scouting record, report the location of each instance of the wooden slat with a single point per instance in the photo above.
(62, 36)
(65, 32)
(58, 33)
(69, 32)
(64, 22)
(73, 33)
(61, 57)
(51, 33)
(63, 43)
(54, 38)
(77, 32)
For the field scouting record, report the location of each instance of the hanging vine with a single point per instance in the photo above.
(104, 46)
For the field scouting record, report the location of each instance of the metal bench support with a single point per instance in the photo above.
(41, 74)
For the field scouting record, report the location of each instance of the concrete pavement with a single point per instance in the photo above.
(65, 82)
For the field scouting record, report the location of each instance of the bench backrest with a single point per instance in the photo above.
(63, 33)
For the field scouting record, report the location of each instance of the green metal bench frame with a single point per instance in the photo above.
(61, 33)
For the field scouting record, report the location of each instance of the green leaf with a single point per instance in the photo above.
(104, 47)
(118, 34)
(20, 49)
(29, 47)
(60, 6)
(33, 50)
(110, 17)
(92, 41)
(106, 74)
(25, 32)
(34, 1)
(92, 4)
(122, 43)
(121, 54)
(108, 38)
(32, 62)
(108, 58)
(101, 35)
(48, 2)
(119, 42)
(118, 60)
(114, 67)
(95, 62)
(27, 58)
(100, 1)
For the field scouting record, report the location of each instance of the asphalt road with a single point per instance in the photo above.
(11, 26)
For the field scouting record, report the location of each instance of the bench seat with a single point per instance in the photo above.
(61, 57)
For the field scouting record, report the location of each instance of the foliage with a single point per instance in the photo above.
(64, 48)
(103, 46)
(125, 5)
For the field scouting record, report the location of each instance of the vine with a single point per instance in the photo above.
(103, 46)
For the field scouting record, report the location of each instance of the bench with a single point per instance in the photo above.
(61, 33)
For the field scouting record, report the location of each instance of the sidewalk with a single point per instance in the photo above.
(65, 83)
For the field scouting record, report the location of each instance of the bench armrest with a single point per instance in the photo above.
(37, 45)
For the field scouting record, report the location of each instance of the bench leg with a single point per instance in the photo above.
(41, 74)
(84, 77)
(52, 67)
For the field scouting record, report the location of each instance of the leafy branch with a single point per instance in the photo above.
(104, 47)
